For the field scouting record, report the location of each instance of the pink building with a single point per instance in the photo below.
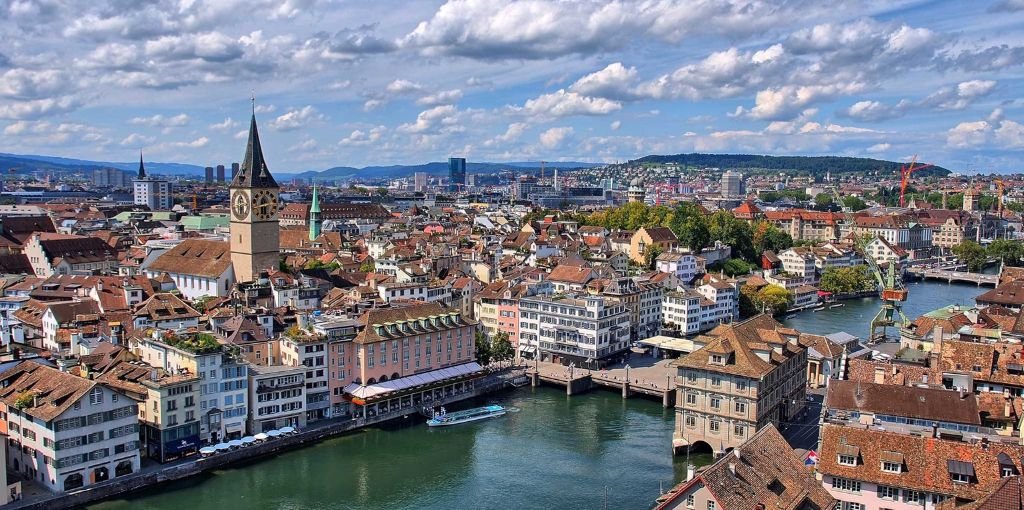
(417, 355)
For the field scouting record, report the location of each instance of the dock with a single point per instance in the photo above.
(581, 381)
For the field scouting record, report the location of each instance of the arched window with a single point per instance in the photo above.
(383, 378)
(371, 381)
(123, 468)
(395, 376)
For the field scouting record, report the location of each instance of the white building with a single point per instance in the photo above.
(278, 397)
(310, 351)
(695, 311)
(588, 331)
(151, 192)
(198, 268)
(67, 432)
(681, 265)
(800, 262)
(725, 296)
(223, 385)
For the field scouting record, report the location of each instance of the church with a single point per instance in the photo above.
(202, 267)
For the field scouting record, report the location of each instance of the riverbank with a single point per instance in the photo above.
(159, 474)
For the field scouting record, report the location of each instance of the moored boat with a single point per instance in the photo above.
(444, 418)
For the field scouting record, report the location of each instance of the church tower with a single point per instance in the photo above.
(254, 229)
(314, 216)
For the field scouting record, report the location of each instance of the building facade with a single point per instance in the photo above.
(588, 331)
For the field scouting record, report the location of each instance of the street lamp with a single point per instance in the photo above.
(627, 373)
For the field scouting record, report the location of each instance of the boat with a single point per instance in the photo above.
(837, 305)
(444, 418)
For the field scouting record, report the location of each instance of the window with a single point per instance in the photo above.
(691, 377)
(96, 396)
(714, 425)
(847, 460)
(960, 478)
(691, 421)
(739, 430)
(716, 381)
(716, 402)
(849, 505)
(741, 407)
(891, 467)
(689, 500)
(741, 386)
(913, 497)
(711, 505)
(717, 359)
(691, 399)
(846, 485)
(888, 493)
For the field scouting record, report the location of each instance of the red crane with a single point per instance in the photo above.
(905, 172)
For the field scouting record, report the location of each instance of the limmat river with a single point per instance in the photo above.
(854, 317)
(588, 451)
(553, 452)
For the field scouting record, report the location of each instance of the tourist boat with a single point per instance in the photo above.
(444, 418)
(837, 305)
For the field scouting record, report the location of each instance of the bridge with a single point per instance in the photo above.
(581, 380)
(954, 275)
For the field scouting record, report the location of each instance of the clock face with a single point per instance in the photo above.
(240, 205)
(264, 205)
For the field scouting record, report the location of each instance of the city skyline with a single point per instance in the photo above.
(356, 85)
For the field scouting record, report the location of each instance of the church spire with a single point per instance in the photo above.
(142, 168)
(253, 173)
(314, 215)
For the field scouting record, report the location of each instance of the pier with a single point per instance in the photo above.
(576, 381)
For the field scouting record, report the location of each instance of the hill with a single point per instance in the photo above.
(802, 164)
(33, 163)
(433, 168)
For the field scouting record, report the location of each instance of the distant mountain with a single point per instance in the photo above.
(34, 163)
(803, 164)
(434, 168)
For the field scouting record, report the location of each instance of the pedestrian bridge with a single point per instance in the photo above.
(951, 276)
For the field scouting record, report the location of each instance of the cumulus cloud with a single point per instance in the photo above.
(879, 148)
(296, 118)
(615, 125)
(437, 120)
(226, 125)
(872, 111)
(29, 84)
(555, 136)
(402, 86)
(565, 104)
(514, 131)
(351, 43)
(38, 108)
(161, 121)
(615, 81)
(443, 97)
(359, 137)
(995, 132)
(304, 145)
(960, 96)
(136, 140)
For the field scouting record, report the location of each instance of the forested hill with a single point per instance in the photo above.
(800, 164)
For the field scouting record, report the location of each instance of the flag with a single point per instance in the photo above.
(812, 458)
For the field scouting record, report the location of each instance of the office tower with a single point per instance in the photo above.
(234, 170)
(209, 174)
(732, 184)
(220, 173)
(456, 173)
(419, 181)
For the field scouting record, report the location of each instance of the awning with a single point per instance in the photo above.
(528, 349)
(957, 467)
(368, 391)
(849, 449)
(894, 457)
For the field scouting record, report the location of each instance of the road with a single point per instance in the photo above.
(803, 433)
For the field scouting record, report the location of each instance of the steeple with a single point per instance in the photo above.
(142, 168)
(314, 215)
(253, 172)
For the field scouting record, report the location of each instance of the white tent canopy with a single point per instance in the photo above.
(373, 390)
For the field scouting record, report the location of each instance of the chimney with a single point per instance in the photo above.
(1006, 407)
(879, 375)
(732, 468)
(935, 430)
(937, 339)
(691, 471)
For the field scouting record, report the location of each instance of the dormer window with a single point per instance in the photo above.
(960, 472)
(892, 462)
(847, 455)
(717, 359)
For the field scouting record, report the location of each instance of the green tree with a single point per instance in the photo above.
(367, 266)
(854, 203)
(483, 348)
(822, 200)
(1010, 252)
(736, 233)
(972, 254)
(693, 233)
(767, 236)
(501, 347)
(775, 300)
(650, 256)
(735, 267)
(847, 279)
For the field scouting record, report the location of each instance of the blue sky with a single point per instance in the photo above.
(365, 83)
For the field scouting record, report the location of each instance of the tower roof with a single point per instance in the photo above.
(253, 172)
(315, 207)
(142, 168)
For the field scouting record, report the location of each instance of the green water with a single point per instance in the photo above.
(555, 452)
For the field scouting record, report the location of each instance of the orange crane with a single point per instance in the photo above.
(905, 172)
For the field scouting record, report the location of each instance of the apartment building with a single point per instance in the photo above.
(800, 261)
(899, 231)
(589, 331)
(340, 333)
(224, 377)
(681, 265)
(168, 408)
(661, 238)
(303, 348)
(690, 312)
(746, 376)
(724, 296)
(804, 225)
(67, 432)
(277, 397)
(642, 298)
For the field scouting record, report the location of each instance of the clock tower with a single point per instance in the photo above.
(254, 205)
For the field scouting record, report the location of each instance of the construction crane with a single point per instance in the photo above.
(905, 173)
(893, 291)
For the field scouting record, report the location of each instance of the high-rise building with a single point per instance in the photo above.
(209, 174)
(471, 180)
(150, 191)
(732, 184)
(419, 181)
(234, 170)
(636, 192)
(456, 173)
(220, 173)
(111, 177)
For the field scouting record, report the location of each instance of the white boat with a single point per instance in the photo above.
(837, 305)
(444, 418)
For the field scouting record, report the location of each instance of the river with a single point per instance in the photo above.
(555, 452)
(856, 314)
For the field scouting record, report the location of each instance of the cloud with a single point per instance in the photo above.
(565, 104)
(615, 125)
(992, 58)
(436, 120)
(1007, 6)
(786, 101)
(226, 125)
(514, 131)
(160, 121)
(359, 137)
(352, 43)
(209, 47)
(137, 140)
(265, 108)
(879, 148)
(402, 86)
(959, 97)
(305, 145)
(442, 97)
(995, 132)
(38, 108)
(28, 84)
(555, 136)
(872, 111)
(373, 104)
(296, 118)
(614, 82)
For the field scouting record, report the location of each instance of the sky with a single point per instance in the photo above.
(356, 83)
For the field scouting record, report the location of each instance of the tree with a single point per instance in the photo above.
(651, 255)
(767, 236)
(972, 254)
(501, 347)
(854, 203)
(693, 233)
(736, 267)
(483, 348)
(822, 200)
(776, 300)
(1010, 252)
(734, 232)
(367, 266)
(843, 280)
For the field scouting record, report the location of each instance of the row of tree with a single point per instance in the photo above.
(495, 349)
(770, 299)
(845, 280)
(976, 256)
